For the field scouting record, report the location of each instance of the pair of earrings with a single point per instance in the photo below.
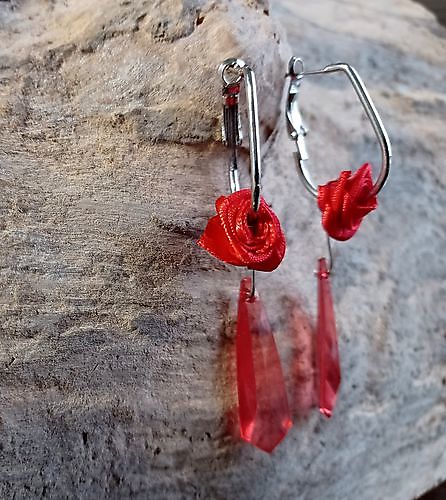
(247, 233)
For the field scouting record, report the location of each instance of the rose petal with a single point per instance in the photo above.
(345, 201)
(214, 241)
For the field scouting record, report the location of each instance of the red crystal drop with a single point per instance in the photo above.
(327, 344)
(263, 405)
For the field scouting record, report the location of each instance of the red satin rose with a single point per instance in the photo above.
(345, 201)
(239, 236)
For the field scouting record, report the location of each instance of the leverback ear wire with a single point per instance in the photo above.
(297, 130)
(232, 71)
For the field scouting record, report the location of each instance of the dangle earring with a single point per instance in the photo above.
(343, 203)
(247, 233)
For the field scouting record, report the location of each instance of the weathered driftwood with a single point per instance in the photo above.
(116, 374)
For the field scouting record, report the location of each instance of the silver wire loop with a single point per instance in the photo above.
(232, 71)
(232, 67)
(298, 131)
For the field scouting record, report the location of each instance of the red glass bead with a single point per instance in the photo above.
(232, 89)
(231, 93)
(329, 369)
(231, 100)
(263, 405)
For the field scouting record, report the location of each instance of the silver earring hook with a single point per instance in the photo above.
(298, 131)
(232, 71)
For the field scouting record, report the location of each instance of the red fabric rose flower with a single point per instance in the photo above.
(345, 201)
(239, 236)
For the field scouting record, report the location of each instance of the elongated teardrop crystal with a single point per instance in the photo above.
(263, 405)
(329, 369)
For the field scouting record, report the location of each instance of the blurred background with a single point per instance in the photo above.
(438, 7)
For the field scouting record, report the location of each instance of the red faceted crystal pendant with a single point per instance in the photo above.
(327, 344)
(263, 405)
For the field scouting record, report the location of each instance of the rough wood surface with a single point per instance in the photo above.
(116, 372)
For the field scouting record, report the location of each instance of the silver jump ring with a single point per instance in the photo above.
(232, 66)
